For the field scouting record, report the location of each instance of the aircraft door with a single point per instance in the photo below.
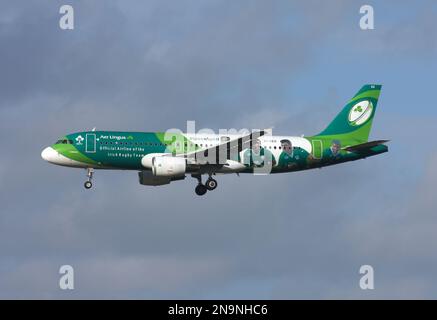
(90, 143)
(317, 149)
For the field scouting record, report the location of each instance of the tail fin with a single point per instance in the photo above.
(354, 122)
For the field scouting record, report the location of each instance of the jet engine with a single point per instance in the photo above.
(169, 166)
(164, 169)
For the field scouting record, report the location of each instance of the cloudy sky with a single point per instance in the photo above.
(153, 65)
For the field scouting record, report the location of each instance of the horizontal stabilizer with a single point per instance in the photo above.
(364, 146)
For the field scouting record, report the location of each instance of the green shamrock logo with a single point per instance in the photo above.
(358, 109)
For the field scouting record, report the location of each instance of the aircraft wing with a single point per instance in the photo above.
(218, 154)
(364, 146)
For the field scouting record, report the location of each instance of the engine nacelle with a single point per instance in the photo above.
(146, 161)
(147, 178)
(169, 166)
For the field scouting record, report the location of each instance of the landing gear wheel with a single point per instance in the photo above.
(89, 173)
(200, 189)
(211, 184)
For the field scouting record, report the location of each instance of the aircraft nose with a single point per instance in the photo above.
(49, 154)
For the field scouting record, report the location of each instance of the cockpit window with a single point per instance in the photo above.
(64, 141)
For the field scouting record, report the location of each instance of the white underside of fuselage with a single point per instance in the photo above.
(51, 155)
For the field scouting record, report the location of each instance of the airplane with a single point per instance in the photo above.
(163, 157)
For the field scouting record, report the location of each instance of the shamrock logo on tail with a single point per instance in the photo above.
(360, 113)
(358, 109)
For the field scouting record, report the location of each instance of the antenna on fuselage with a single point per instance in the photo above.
(94, 129)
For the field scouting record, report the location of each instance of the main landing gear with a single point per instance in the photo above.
(89, 173)
(200, 189)
(209, 185)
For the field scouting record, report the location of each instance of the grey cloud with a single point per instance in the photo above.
(123, 73)
(151, 277)
(402, 30)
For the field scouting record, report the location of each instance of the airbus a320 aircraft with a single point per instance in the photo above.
(162, 157)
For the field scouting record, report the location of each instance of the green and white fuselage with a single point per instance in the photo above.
(125, 150)
(162, 157)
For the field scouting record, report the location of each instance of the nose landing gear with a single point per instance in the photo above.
(88, 184)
